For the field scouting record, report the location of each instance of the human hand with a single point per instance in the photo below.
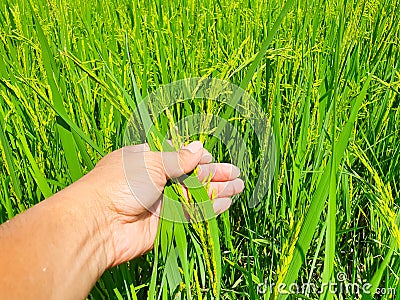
(128, 199)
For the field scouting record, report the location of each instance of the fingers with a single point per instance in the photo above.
(221, 204)
(224, 176)
(206, 158)
(156, 208)
(177, 163)
(184, 161)
(225, 189)
(218, 171)
(137, 148)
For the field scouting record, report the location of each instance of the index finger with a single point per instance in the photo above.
(218, 171)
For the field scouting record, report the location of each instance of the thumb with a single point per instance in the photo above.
(184, 161)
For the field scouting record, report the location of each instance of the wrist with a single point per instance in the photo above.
(89, 213)
(67, 237)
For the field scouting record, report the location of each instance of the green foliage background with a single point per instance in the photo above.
(329, 82)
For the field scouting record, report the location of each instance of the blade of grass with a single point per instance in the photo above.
(8, 158)
(251, 71)
(318, 200)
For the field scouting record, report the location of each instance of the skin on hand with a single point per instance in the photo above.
(59, 248)
(131, 198)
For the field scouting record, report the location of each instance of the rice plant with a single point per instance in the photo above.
(326, 74)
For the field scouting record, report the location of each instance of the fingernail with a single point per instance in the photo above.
(235, 172)
(194, 147)
(240, 186)
(206, 158)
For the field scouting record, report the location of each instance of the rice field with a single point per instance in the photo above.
(325, 73)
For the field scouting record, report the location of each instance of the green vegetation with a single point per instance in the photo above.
(327, 73)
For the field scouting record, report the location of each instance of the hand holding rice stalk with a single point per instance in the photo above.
(201, 258)
(188, 211)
